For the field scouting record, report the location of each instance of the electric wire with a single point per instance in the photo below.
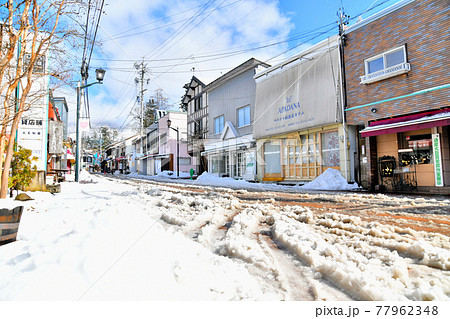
(218, 56)
(223, 31)
(179, 30)
(195, 26)
(86, 31)
(120, 35)
(227, 53)
(96, 29)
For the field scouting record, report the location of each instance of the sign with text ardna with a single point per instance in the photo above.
(301, 95)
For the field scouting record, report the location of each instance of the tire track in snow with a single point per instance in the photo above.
(365, 249)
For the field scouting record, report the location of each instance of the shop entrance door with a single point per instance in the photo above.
(301, 157)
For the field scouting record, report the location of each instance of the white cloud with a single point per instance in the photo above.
(223, 26)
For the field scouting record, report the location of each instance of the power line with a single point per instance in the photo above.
(177, 32)
(226, 54)
(215, 9)
(86, 31)
(123, 35)
(96, 29)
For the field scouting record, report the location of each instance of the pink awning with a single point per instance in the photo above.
(408, 123)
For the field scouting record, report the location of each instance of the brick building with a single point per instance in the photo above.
(398, 95)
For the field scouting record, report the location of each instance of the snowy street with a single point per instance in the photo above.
(126, 238)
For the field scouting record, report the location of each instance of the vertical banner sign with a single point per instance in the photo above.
(437, 160)
(84, 124)
(250, 164)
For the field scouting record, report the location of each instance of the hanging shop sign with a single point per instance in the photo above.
(84, 124)
(437, 160)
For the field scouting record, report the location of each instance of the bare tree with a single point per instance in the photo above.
(30, 32)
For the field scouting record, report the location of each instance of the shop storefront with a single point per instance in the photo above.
(300, 156)
(298, 106)
(416, 148)
(234, 157)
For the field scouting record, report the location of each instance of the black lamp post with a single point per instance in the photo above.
(169, 122)
(100, 74)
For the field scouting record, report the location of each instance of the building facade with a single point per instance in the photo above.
(299, 117)
(231, 147)
(161, 143)
(56, 157)
(398, 95)
(194, 102)
(63, 110)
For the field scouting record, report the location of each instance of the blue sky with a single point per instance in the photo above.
(207, 38)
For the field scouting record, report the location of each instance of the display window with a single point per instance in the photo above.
(415, 149)
(305, 157)
(272, 157)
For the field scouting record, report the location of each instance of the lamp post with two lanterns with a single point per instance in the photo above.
(100, 74)
(169, 123)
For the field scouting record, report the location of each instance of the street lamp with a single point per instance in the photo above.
(100, 74)
(169, 122)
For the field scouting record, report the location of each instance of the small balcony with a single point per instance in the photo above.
(385, 73)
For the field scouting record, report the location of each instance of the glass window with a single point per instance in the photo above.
(375, 65)
(217, 164)
(272, 158)
(241, 164)
(394, 58)
(386, 60)
(163, 138)
(218, 124)
(415, 149)
(244, 116)
(330, 149)
(185, 161)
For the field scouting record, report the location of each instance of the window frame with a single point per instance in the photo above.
(249, 116)
(216, 132)
(383, 55)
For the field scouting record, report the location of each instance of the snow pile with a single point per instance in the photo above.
(361, 258)
(170, 174)
(213, 180)
(331, 179)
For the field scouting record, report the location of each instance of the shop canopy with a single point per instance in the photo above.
(70, 156)
(408, 123)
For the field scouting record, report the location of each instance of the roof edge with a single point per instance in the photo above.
(378, 15)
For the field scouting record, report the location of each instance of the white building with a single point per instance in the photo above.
(160, 146)
(231, 147)
(32, 131)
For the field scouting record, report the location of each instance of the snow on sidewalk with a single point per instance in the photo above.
(330, 179)
(103, 241)
(119, 240)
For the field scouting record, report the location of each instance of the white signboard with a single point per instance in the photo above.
(438, 178)
(84, 124)
(55, 134)
(297, 97)
(250, 167)
(31, 135)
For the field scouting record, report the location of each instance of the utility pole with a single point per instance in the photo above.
(84, 75)
(142, 68)
(101, 153)
(343, 20)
